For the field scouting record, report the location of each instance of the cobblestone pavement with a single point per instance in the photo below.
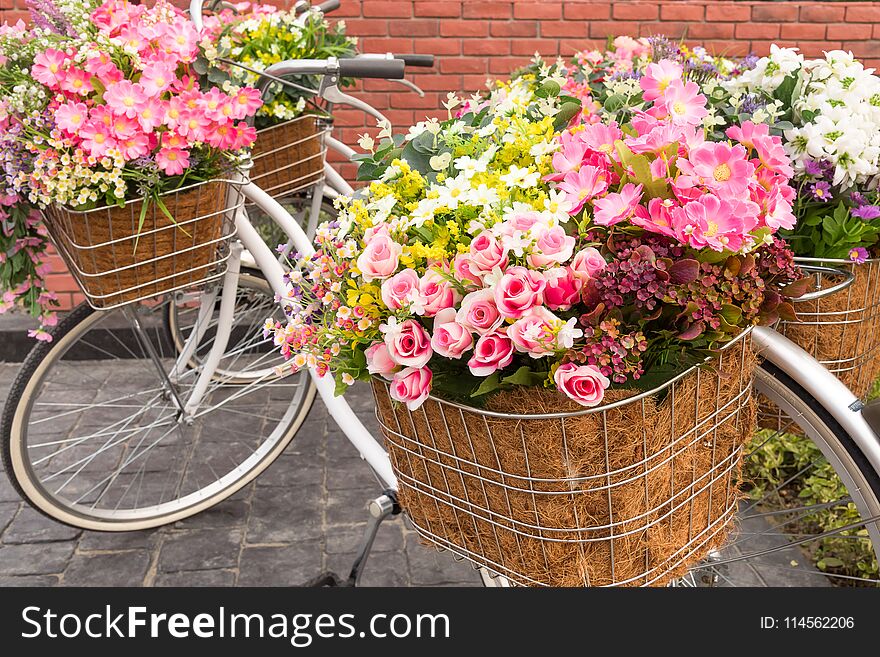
(304, 515)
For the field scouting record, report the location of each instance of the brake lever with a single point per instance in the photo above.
(329, 91)
(411, 86)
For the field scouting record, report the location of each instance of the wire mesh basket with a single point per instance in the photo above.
(116, 262)
(841, 328)
(289, 157)
(633, 492)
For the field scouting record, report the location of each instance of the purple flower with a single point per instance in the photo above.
(819, 168)
(859, 199)
(858, 255)
(866, 212)
(821, 191)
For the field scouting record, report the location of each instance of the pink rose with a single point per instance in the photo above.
(379, 360)
(521, 221)
(380, 257)
(450, 338)
(411, 386)
(408, 343)
(583, 383)
(587, 263)
(438, 293)
(400, 290)
(479, 313)
(533, 333)
(519, 290)
(463, 272)
(487, 253)
(492, 352)
(553, 246)
(563, 288)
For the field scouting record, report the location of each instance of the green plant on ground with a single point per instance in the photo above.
(782, 457)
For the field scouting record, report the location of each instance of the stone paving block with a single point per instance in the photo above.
(196, 578)
(29, 581)
(107, 569)
(115, 541)
(347, 506)
(286, 515)
(30, 526)
(7, 492)
(7, 513)
(428, 567)
(229, 513)
(200, 549)
(50, 558)
(294, 469)
(291, 565)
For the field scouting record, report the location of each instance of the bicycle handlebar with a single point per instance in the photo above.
(369, 67)
(327, 7)
(426, 61)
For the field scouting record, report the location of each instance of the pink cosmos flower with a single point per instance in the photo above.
(179, 38)
(157, 77)
(492, 352)
(77, 81)
(172, 161)
(193, 125)
(411, 386)
(379, 361)
(563, 288)
(617, 207)
(768, 148)
(657, 217)
(245, 136)
(245, 102)
(683, 103)
(581, 186)
(172, 139)
(213, 102)
(134, 36)
(103, 67)
(722, 168)
(175, 111)
(121, 127)
(48, 67)
(600, 138)
(585, 384)
(125, 98)
(656, 139)
(778, 213)
(134, 146)
(150, 114)
(533, 333)
(709, 221)
(450, 339)
(408, 343)
(401, 290)
(487, 253)
(658, 77)
(569, 158)
(519, 290)
(96, 138)
(553, 246)
(221, 135)
(70, 116)
(103, 114)
(479, 312)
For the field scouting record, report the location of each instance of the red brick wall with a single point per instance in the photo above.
(478, 39)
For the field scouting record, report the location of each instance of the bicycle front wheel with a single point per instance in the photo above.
(92, 437)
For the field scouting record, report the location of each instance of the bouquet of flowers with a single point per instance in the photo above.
(258, 36)
(505, 248)
(101, 103)
(828, 110)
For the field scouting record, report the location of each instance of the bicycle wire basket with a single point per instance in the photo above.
(289, 157)
(633, 492)
(116, 262)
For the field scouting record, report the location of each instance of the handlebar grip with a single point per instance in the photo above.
(327, 7)
(356, 67)
(301, 7)
(426, 61)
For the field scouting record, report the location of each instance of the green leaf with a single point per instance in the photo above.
(489, 384)
(549, 89)
(731, 314)
(524, 376)
(566, 113)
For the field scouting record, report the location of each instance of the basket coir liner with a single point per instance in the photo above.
(115, 261)
(288, 156)
(633, 495)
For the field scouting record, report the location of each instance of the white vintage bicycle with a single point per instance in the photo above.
(90, 444)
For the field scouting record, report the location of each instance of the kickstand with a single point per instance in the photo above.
(383, 506)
